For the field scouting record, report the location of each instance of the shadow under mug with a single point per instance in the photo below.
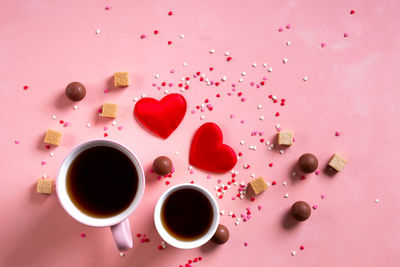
(118, 223)
(179, 243)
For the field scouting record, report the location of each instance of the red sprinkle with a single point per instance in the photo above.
(220, 197)
(228, 59)
(240, 154)
(155, 32)
(138, 235)
(262, 140)
(25, 87)
(169, 42)
(48, 146)
(83, 235)
(105, 134)
(252, 199)
(211, 68)
(160, 247)
(271, 164)
(218, 95)
(273, 183)
(167, 183)
(301, 247)
(303, 177)
(170, 13)
(61, 122)
(200, 258)
(277, 114)
(352, 12)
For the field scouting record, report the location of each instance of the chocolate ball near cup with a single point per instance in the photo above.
(221, 236)
(75, 91)
(300, 211)
(162, 165)
(308, 163)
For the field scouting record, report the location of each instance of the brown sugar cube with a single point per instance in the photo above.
(109, 110)
(256, 187)
(337, 162)
(121, 79)
(285, 138)
(53, 137)
(44, 186)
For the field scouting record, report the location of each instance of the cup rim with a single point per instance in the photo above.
(70, 207)
(179, 243)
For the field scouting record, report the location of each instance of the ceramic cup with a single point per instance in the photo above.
(118, 223)
(179, 243)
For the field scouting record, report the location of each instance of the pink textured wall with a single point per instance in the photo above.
(353, 87)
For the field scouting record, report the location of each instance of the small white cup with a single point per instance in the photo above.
(179, 243)
(118, 223)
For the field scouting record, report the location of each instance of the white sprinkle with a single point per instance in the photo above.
(262, 118)
(51, 154)
(281, 151)
(259, 107)
(253, 175)
(270, 69)
(236, 172)
(183, 79)
(285, 60)
(182, 90)
(254, 64)
(242, 183)
(241, 80)
(44, 176)
(187, 82)
(293, 253)
(305, 78)
(202, 75)
(184, 64)
(177, 152)
(166, 92)
(272, 145)
(265, 65)
(190, 168)
(54, 117)
(114, 123)
(288, 43)
(284, 183)
(207, 80)
(242, 142)
(237, 222)
(243, 73)
(223, 78)
(135, 99)
(156, 76)
(221, 212)
(277, 126)
(212, 51)
(97, 31)
(88, 125)
(267, 142)
(202, 117)
(121, 254)
(242, 196)
(286, 195)
(208, 83)
(268, 184)
(182, 36)
(376, 200)
(274, 97)
(269, 148)
(216, 187)
(143, 95)
(294, 173)
(75, 107)
(226, 53)
(230, 213)
(232, 171)
(218, 194)
(235, 183)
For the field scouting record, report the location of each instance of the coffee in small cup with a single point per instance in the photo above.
(187, 214)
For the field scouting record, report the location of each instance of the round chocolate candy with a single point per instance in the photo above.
(300, 211)
(221, 235)
(75, 91)
(162, 165)
(308, 163)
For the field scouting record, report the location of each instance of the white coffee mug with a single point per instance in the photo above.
(179, 243)
(118, 223)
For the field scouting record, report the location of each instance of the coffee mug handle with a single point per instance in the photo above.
(122, 235)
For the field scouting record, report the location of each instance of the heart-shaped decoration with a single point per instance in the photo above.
(161, 117)
(207, 151)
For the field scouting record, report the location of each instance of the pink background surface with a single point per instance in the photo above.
(353, 87)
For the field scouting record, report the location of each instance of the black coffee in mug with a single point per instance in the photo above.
(102, 181)
(187, 214)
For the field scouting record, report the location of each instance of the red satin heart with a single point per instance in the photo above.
(207, 151)
(161, 117)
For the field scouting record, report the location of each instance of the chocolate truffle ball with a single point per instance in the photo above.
(75, 91)
(308, 163)
(162, 165)
(221, 235)
(300, 211)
